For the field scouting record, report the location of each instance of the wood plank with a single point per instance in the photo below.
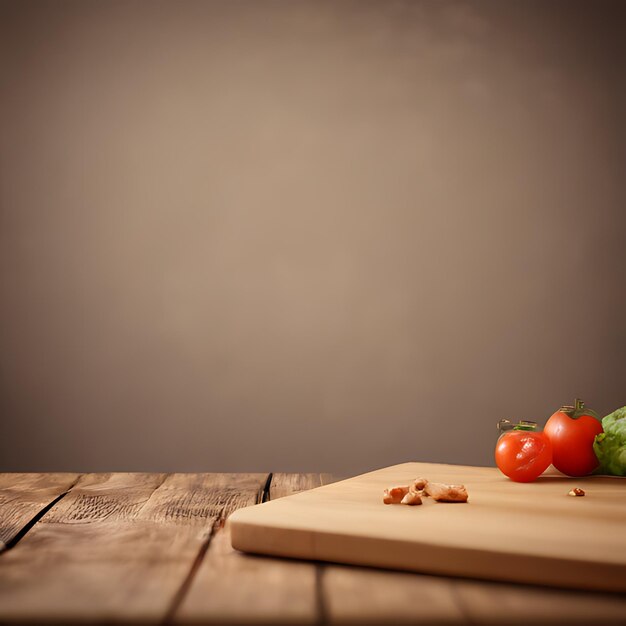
(112, 497)
(119, 547)
(24, 496)
(233, 588)
(285, 484)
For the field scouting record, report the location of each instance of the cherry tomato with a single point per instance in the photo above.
(571, 431)
(523, 454)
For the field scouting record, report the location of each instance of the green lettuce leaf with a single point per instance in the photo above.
(610, 446)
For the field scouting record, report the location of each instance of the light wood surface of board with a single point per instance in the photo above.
(155, 549)
(533, 533)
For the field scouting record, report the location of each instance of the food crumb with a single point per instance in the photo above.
(412, 494)
(411, 498)
(576, 492)
(446, 493)
(394, 495)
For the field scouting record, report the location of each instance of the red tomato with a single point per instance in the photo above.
(571, 431)
(523, 455)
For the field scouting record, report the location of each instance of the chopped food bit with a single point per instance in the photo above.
(576, 492)
(389, 499)
(446, 493)
(418, 485)
(394, 495)
(412, 498)
(399, 492)
(420, 488)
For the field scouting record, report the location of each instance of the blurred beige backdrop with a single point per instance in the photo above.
(305, 235)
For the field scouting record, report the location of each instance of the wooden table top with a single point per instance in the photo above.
(153, 548)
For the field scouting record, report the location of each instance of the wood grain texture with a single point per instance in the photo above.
(233, 588)
(24, 496)
(285, 484)
(117, 548)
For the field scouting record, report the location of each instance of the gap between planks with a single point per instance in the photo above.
(25, 499)
(218, 524)
(186, 584)
(229, 587)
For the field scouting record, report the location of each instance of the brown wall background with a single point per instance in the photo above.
(274, 235)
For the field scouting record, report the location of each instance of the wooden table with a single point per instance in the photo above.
(153, 548)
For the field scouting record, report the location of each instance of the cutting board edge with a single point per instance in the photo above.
(254, 538)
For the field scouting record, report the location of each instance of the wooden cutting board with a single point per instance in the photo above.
(531, 533)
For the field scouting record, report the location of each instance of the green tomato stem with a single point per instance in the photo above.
(578, 410)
